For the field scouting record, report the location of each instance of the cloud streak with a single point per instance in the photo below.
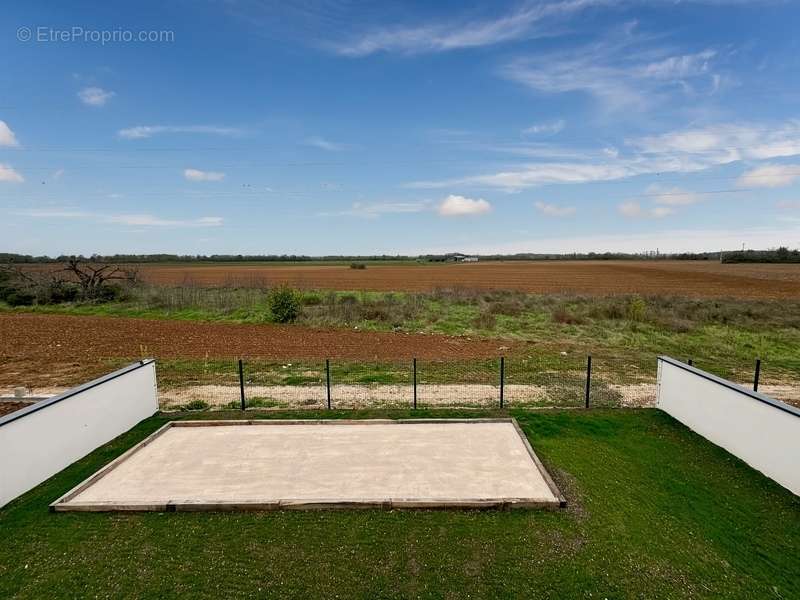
(548, 128)
(770, 176)
(198, 175)
(531, 20)
(147, 131)
(680, 151)
(622, 72)
(554, 210)
(373, 210)
(323, 144)
(138, 220)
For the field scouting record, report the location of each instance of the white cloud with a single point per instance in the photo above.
(8, 174)
(622, 72)
(7, 137)
(323, 144)
(553, 210)
(145, 220)
(197, 175)
(634, 210)
(536, 174)
(366, 210)
(138, 220)
(547, 128)
(148, 131)
(531, 20)
(770, 176)
(680, 151)
(457, 206)
(726, 142)
(95, 96)
(680, 67)
(671, 196)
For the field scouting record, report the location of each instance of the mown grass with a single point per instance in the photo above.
(654, 512)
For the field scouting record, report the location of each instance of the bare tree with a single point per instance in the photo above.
(92, 277)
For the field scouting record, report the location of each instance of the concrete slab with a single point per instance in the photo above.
(295, 464)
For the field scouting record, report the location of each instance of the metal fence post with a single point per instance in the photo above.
(757, 375)
(241, 383)
(328, 380)
(588, 378)
(415, 383)
(502, 378)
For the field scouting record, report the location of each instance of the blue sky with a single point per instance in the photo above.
(247, 126)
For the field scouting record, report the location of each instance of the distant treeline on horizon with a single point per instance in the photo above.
(779, 255)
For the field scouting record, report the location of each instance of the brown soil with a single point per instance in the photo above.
(40, 350)
(7, 407)
(686, 278)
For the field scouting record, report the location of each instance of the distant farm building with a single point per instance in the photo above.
(461, 258)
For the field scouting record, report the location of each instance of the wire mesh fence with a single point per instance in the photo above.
(556, 380)
(541, 381)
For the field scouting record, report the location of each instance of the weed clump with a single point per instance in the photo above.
(636, 309)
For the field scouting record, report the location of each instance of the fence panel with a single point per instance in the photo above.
(198, 385)
(549, 380)
(470, 384)
(291, 384)
(543, 381)
(357, 384)
(623, 382)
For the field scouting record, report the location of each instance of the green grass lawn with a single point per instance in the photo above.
(654, 511)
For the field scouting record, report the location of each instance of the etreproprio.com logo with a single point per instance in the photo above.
(43, 34)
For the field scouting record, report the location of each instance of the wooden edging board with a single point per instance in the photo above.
(65, 503)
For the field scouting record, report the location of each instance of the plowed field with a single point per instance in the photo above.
(39, 350)
(687, 278)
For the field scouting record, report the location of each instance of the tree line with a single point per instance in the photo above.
(779, 255)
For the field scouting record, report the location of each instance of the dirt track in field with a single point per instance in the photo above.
(42, 350)
(707, 279)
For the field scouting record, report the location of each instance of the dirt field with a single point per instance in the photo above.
(7, 406)
(40, 350)
(690, 278)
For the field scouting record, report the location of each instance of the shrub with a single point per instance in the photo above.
(563, 316)
(511, 307)
(637, 308)
(284, 304)
(108, 293)
(16, 297)
(348, 299)
(357, 265)
(59, 292)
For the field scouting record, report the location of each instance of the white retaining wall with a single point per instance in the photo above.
(40, 440)
(763, 432)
